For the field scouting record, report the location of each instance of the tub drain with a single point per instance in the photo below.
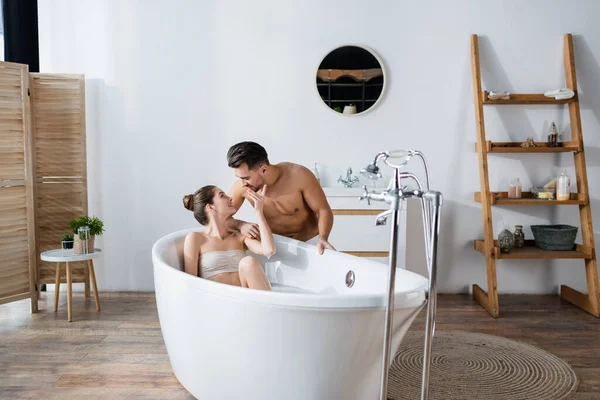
(350, 279)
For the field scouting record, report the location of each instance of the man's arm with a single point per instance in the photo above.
(317, 201)
(237, 196)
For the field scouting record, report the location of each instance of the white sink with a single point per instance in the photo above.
(354, 191)
(340, 191)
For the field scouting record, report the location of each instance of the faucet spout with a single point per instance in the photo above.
(382, 218)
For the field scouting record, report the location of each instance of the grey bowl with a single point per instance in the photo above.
(554, 237)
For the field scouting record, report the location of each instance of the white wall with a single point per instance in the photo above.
(171, 85)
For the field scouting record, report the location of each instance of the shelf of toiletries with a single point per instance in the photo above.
(557, 191)
(527, 99)
(528, 198)
(540, 147)
(531, 251)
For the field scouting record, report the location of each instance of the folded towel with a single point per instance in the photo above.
(494, 95)
(560, 94)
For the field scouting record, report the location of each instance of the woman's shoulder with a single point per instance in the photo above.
(196, 237)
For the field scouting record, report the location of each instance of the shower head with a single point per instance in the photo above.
(371, 171)
(401, 157)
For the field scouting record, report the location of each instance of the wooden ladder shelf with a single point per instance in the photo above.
(488, 246)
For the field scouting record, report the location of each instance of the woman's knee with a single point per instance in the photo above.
(249, 264)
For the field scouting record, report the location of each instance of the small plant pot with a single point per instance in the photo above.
(79, 245)
(67, 244)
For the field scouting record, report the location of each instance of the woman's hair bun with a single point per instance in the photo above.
(188, 201)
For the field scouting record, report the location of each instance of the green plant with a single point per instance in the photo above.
(67, 237)
(338, 109)
(94, 223)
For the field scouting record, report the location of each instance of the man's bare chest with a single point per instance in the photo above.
(285, 202)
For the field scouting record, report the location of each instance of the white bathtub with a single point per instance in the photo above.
(319, 340)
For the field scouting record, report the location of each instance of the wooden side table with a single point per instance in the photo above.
(66, 256)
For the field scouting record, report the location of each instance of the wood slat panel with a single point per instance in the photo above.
(15, 257)
(17, 241)
(12, 126)
(17, 237)
(10, 282)
(60, 162)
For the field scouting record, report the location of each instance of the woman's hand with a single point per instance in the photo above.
(258, 198)
(266, 245)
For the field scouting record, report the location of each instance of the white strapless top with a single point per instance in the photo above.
(218, 262)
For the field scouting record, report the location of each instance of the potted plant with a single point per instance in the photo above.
(67, 241)
(96, 228)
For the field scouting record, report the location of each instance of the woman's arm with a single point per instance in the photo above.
(246, 228)
(266, 245)
(191, 252)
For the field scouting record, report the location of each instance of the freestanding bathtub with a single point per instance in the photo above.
(318, 335)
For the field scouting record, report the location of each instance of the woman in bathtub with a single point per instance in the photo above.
(218, 254)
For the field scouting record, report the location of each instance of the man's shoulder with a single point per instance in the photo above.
(302, 177)
(293, 168)
(237, 189)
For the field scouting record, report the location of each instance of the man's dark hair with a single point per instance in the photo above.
(249, 153)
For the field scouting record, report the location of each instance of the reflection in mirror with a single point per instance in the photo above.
(350, 79)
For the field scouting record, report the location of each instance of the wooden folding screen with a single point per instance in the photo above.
(58, 126)
(43, 175)
(17, 226)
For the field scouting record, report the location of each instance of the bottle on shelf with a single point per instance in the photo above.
(506, 241)
(519, 236)
(563, 186)
(553, 136)
(514, 189)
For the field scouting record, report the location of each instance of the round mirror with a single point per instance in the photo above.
(350, 80)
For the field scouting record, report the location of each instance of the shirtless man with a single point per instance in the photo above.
(294, 202)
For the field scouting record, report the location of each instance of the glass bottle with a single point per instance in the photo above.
(506, 241)
(514, 189)
(316, 172)
(84, 236)
(563, 186)
(519, 236)
(553, 136)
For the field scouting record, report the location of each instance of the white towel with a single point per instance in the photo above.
(560, 94)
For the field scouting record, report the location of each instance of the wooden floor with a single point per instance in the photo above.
(119, 353)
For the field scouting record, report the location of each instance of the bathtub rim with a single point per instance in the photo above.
(404, 298)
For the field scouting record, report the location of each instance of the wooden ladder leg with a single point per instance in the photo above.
(489, 301)
(94, 286)
(591, 301)
(69, 293)
(56, 287)
(591, 269)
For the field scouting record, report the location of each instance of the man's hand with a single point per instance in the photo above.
(323, 244)
(250, 230)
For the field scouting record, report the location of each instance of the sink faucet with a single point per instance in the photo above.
(350, 180)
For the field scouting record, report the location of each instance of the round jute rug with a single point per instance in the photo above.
(469, 365)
